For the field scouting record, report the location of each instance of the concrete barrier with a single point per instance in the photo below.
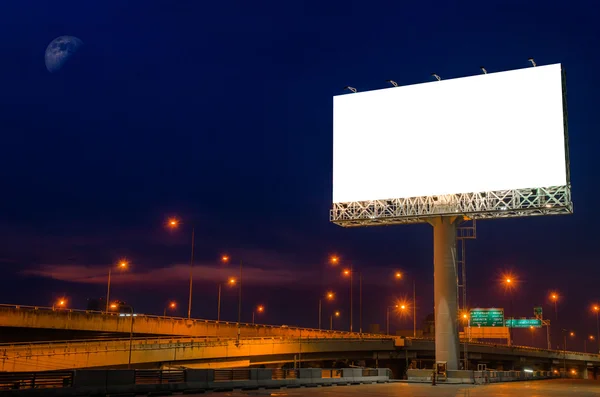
(96, 382)
(478, 377)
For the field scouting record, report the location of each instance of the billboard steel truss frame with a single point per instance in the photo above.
(554, 200)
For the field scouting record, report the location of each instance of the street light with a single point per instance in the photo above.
(115, 306)
(467, 336)
(387, 318)
(121, 265)
(509, 284)
(225, 259)
(61, 303)
(591, 338)
(350, 272)
(171, 306)
(230, 282)
(259, 309)
(596, 308)
(399, 276)
(554, 298)
(336, 314)
(329, 296)
(532, 329)
(173, 223)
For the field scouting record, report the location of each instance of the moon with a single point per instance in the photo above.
(60, 50)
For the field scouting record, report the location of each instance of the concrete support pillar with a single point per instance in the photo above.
(445, 286)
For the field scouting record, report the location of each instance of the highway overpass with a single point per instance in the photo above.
(43, 318)
(184, 352)
(227, 353)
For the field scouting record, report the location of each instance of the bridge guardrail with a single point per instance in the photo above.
(174, 340)
(145, 381)
(521, 347)
(141, 315)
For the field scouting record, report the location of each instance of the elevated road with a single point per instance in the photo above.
(485, 352)
(189, 352)
(41, 318)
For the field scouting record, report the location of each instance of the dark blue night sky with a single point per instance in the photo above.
(220, 113)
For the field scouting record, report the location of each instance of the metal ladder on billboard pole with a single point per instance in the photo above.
(467, 231)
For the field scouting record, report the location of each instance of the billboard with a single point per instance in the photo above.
(492, 143)
(486, 317)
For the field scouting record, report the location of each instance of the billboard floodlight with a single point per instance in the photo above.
(436, 76)
(532, 62)
(392, 82)
(483, 70)
(350, 88)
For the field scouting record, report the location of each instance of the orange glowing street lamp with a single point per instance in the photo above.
(231, 281)
(334, 314)
(596, 309)
(554, 298)
(398, 275)
(509, 283)
(259, 309)
(122, 264)
(334, 260)
(172, 306)
(350, 272)
(174, 223)
(225, 259)
(61, 303)
(329, 295)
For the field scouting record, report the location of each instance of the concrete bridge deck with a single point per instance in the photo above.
(90, 321)
(173, 352)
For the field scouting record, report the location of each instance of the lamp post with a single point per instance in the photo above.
(399, 276)
(329, 296)
(467, 337)
(114, 306)
(231, 281)
(597, 310)
(591, 338)
(259, 309)
(532, 329)
(122, 265)
(387, 319)
(225, 259)
(509, 283)
(173, 223)
(61, 304)
(171, 306)
(554, 298)
(350, 273)
(336, 314)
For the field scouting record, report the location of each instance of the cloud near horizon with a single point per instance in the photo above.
(204, 272)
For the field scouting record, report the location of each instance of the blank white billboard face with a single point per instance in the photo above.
(496, 131)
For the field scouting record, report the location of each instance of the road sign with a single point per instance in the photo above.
(487, 317)
(537, 312)
(523, 322)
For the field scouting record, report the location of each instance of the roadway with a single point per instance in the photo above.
(71, 320)
(546, 388)
(183, 352)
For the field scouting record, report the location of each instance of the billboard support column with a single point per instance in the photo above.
(445, 290)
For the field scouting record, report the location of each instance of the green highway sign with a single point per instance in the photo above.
(523, 322)
(537, 312)
(487, 317)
